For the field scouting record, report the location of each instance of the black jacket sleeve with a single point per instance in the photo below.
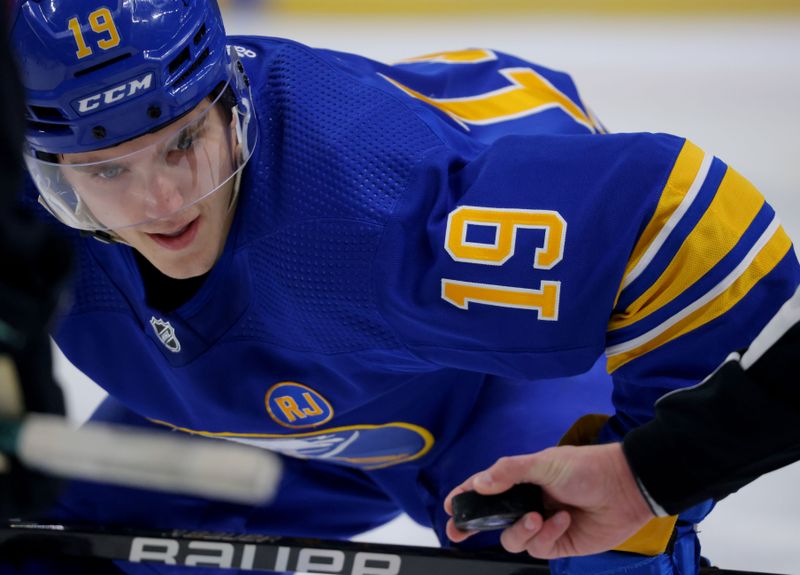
(710, 440)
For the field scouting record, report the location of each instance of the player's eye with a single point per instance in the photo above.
(185, 141)
(109, 172)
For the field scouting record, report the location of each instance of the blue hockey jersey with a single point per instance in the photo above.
(404, 233)
(404, 230)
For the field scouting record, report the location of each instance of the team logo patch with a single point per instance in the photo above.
(166, 334)
(297, 406)
(362, 446)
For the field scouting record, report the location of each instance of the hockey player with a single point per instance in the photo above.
(391, 274)
(740, 423)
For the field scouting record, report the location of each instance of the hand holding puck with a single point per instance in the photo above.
(475, 512)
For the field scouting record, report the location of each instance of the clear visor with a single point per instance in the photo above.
(152, 177)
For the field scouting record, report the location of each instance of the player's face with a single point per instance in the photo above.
(165, 179)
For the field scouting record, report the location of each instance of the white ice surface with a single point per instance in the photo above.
(731, 85)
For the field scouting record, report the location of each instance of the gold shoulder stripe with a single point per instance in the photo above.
(684, 174)
(735, 287)
(527, 93)
(735, 205)
(469, 56)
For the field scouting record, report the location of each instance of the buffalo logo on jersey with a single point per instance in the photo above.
(364, 446)
(297, 406)
(166, 334)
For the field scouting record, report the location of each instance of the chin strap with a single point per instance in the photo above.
(104, 237)
(235, 194)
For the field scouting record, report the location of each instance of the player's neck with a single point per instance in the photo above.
(162, 292)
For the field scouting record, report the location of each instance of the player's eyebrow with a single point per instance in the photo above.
(192, 128)
(93, 168)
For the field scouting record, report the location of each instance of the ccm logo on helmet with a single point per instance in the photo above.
(116, 94)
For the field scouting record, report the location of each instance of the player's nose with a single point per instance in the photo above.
(163, 196)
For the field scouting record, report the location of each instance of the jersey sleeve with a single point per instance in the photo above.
(710, 268)
(545, 253)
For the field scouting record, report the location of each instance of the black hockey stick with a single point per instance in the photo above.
(258, 553)
(264, 553)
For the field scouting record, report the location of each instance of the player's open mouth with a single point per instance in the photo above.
(179, 238)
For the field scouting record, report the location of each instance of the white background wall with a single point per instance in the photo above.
(732, 85)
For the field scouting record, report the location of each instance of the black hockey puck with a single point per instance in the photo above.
(475, 512)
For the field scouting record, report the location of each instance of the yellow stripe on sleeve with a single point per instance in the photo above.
(772, 252)
(684, 172)
(735, 205)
